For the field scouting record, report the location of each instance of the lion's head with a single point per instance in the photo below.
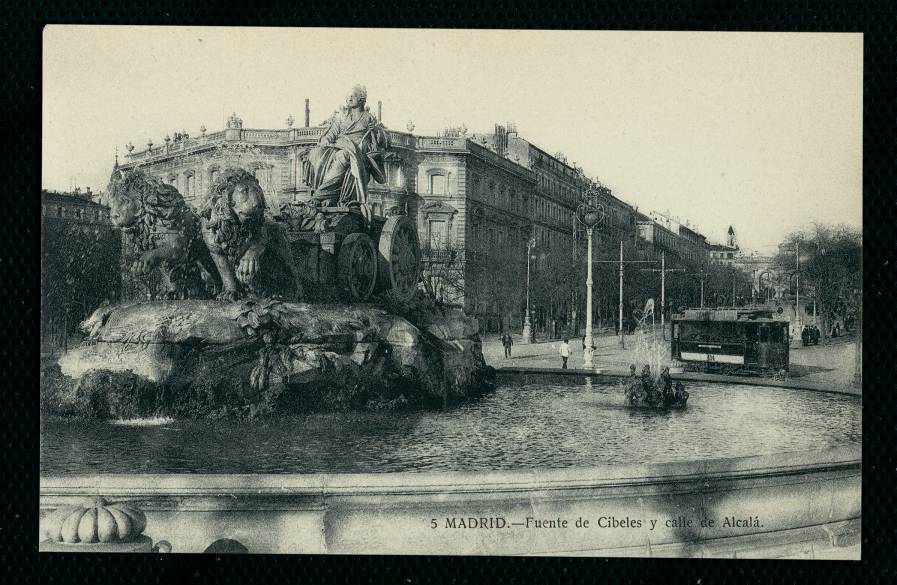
(234, 209)
(138, 200)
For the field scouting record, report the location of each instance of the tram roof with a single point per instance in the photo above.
(730, 314)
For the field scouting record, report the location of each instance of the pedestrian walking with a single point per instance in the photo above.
(507, 341)
(564, 350)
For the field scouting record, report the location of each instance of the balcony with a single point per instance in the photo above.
(441, 255)
(429, 142)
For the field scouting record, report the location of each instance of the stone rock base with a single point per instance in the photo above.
(213, 359)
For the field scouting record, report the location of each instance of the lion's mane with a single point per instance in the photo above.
(230, 234)
(162, 207)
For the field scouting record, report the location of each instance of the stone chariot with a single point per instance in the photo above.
(341, 253)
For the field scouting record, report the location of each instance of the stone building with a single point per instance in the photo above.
(477, 200)
(78, 206)
(724, 254)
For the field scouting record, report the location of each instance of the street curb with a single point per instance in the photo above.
(689, 376)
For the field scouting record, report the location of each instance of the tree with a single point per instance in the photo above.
(830, 271)
(79, 271)
(489, 283)
(721, 282)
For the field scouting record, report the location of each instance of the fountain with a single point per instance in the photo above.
(654, 387)
(362, 336)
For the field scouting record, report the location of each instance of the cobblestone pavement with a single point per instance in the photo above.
(822, 364)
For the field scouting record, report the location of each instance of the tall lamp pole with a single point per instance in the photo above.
(527, 326)
(622, 342)
(799, 317)
(590, 213)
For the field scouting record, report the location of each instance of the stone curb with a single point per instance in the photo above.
(689, 376)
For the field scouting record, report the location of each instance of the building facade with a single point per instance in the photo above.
(478, 201)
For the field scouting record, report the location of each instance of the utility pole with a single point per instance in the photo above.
(663, 273)
(621, 262)
(753, 292)
(733, 287)
(702, 274)
(622, 342)
(798, 325)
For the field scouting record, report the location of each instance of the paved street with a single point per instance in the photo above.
(830, 364)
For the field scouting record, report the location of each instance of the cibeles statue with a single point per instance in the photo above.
(350, 152)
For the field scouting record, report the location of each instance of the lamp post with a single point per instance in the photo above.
(527, 326)
(799, 318)
(590, 213)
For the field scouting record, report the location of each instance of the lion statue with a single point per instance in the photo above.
(162, 236)
(252, 255)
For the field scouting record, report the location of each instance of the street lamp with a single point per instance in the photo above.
(590, 213)
(527, 326)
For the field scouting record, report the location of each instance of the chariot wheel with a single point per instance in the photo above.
(357, 266)
(399, 257)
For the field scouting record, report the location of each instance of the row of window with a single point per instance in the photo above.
(81, 214)
(503, 197)
(491, 236)
(558, 190)
(186, 182)
(498, 195)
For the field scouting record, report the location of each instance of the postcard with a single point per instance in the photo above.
(451, 292)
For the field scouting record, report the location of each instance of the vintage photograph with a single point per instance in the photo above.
(451, 292)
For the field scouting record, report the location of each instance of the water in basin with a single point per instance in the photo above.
(566, 422)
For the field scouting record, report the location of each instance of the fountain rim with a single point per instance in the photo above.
(686, 377)
(842, 458)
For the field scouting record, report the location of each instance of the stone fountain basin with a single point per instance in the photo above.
(806, 503)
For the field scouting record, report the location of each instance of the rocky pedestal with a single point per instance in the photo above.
(212, 359)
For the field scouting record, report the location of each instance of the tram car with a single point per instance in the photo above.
(731, 341)
(344, 254)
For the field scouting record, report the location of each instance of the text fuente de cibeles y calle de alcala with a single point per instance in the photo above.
(600, 522)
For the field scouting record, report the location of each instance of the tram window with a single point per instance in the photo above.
(764, 335)
(711, 331)
(775, 334)
(675, 331)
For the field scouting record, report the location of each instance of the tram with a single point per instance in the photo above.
(731, 341)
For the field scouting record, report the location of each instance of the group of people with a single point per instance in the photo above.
(507, 341)
(810, 335)
(642, 390)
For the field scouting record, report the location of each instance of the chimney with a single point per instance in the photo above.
(307, 113)
(379, 111)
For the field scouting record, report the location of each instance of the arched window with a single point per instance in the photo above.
(59, 211)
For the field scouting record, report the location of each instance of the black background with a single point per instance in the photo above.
(20, 39)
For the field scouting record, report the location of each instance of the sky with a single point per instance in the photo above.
(759, 130)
